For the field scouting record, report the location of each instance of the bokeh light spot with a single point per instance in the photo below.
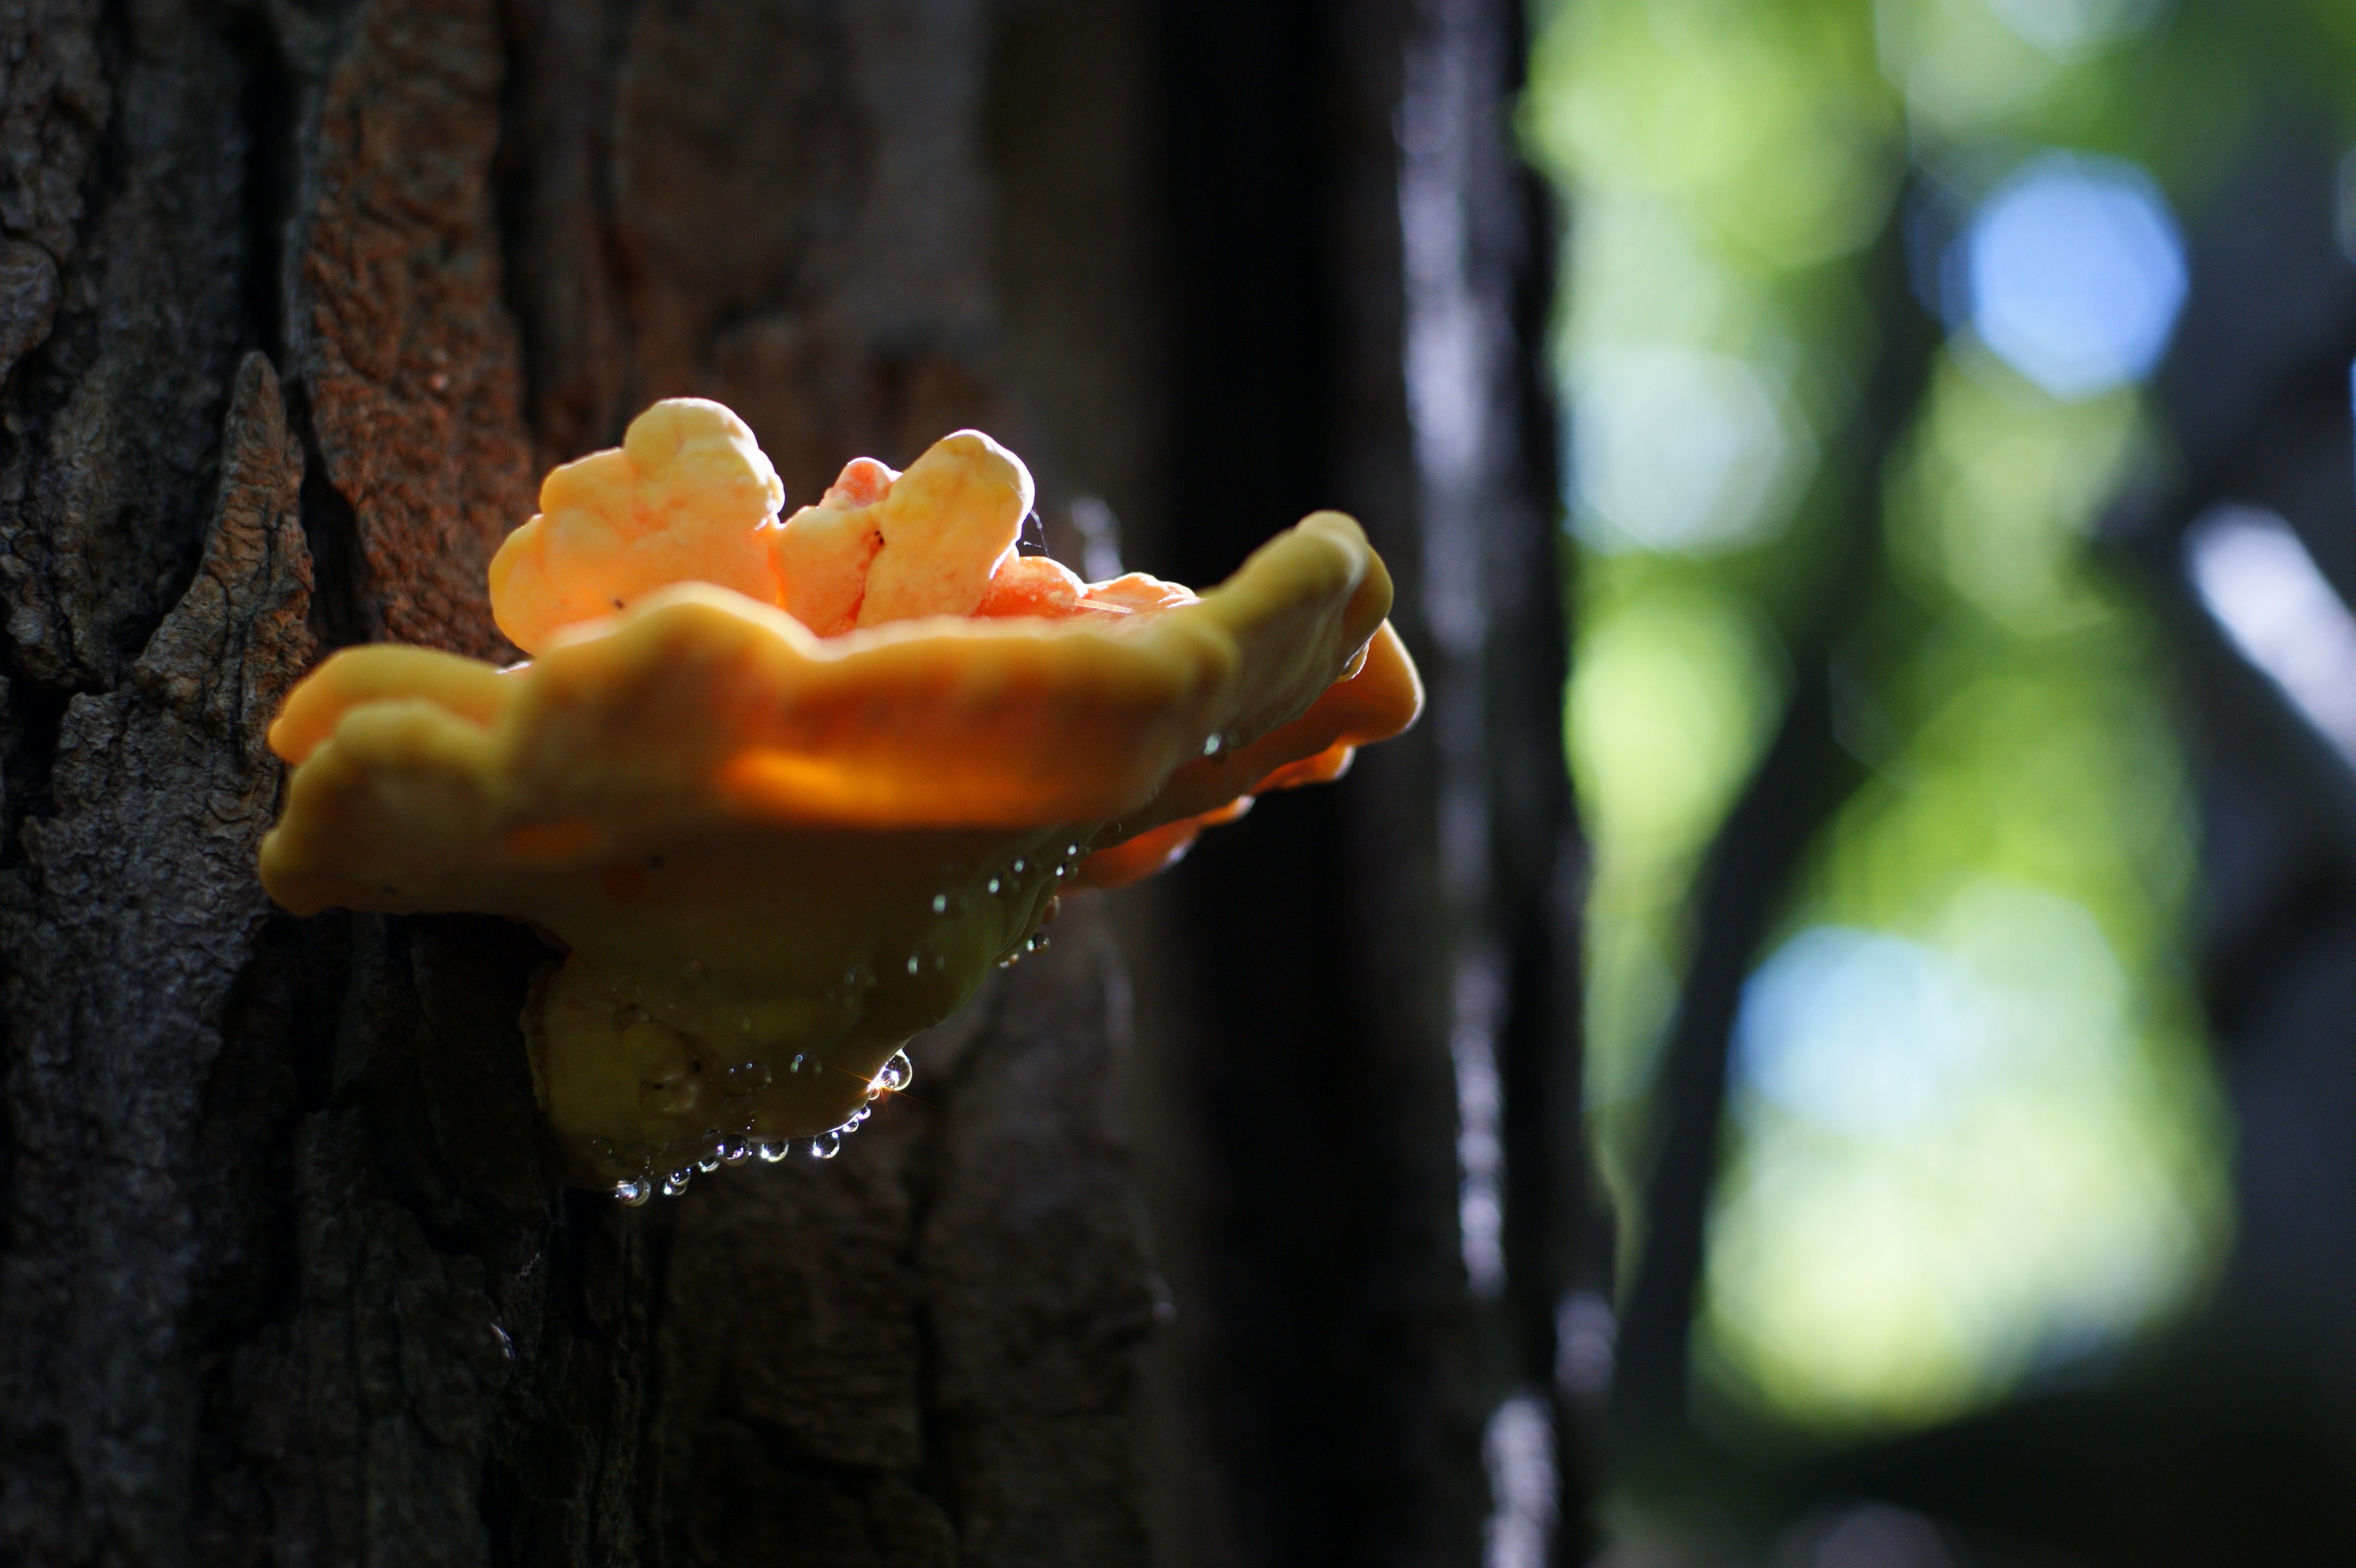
(1956, 1167)
(1669, 701)
(2069, 28)
(2076, 273)
(1858, 1030)
(1678, 450)
(2259, 581)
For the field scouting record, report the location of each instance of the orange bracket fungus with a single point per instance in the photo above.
(786, 789)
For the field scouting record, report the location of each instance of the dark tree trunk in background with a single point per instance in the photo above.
(1357, 268)
(295, 303)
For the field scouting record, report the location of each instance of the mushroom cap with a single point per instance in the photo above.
(688, 497)
(882, 546)
(767, 847)
(698, 712)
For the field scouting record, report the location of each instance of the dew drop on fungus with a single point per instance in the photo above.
(733, 1153)
(772, 1149)
(708, 1162)
(827, 1147)
(893, 1074)
(794, 1065)
(941, 903)
(1215, 746)
(993, 885)
(676, 1183)
(1017, 867)
(633, 1193)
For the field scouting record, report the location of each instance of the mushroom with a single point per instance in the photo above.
(788, 789)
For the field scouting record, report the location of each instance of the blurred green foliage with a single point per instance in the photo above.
(1727, 166)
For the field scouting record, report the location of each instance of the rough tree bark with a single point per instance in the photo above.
(295, 300)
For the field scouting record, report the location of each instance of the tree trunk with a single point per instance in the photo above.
(295, 303)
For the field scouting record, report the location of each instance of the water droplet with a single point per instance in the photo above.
(794, 1065)
(993, 885)
(748, 1078)
(895, 1075)
(1018, 866)
(633, 1193)
(827, 1147)
(709, 1162)
(772, 1149)
(1215, 746)
(913, 965)
(733, 1153)
(1062, 872)
(676, 1183)
(941, 903)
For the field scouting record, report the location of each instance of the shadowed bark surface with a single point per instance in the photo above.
(295, 300)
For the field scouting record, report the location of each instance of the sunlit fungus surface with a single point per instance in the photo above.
(788, 787)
